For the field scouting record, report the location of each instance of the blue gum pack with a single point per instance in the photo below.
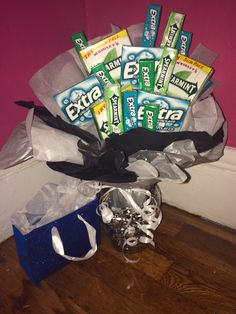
(171, 114)
(130, 63)
(76, 101)
(183, 42)
(130, 110)
(151, 25)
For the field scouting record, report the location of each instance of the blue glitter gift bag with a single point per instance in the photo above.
(41, 251)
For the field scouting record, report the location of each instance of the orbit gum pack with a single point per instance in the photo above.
(172, 111)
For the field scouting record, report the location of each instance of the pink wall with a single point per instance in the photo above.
(212, 23)
(32, 33)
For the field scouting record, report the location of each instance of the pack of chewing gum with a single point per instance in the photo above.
(99, 113)
(76, 101)
(107, 124)
(165, 69)
(130, 61)
(172, 30)
(102, 74)
(130, 109)
(107, 51)
(114, 108)
(188, 78)
(151, 25)
(129, 86)
(171, 114)
(79, 41)
(150, 116)
(147, 75)
(183, 42)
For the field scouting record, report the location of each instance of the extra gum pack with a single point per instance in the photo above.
(76, 101)
(130, 63)
(172, 111)
(130, 86)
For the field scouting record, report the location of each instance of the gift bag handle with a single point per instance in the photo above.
(59, 248)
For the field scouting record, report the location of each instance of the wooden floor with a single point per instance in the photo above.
(191, 270)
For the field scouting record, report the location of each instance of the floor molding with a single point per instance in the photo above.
(211, 192)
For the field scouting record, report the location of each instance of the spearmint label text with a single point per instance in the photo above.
(186, 86)
(114, 64)
(165, 66)
(115, 110)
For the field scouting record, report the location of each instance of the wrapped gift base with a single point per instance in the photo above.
(131, 216)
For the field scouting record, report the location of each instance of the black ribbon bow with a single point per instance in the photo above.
(106, 161)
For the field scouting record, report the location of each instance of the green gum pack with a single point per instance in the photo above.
(172, 30)
(99, 113)
(165, 69)
(102, 74)
(114, 108)
(79, 41)
(147, 75)
(150, 117)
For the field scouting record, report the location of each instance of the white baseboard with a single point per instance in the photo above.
(211, 192)
(17, 186)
